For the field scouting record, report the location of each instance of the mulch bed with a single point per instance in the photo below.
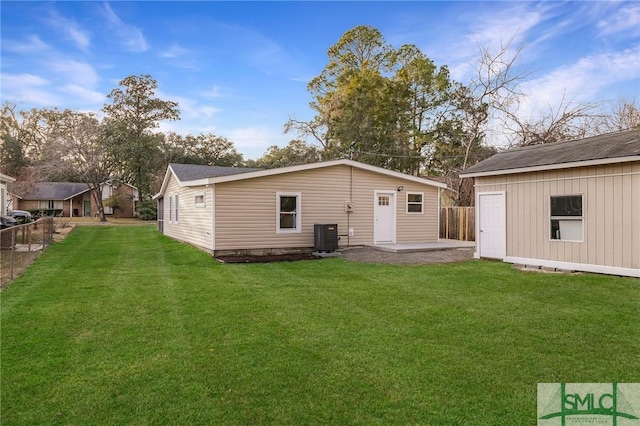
(267, 258)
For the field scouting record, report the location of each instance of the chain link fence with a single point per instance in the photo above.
(21, 244)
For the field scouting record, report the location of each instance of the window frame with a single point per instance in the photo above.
(298, 212)
(173, 208)
(560, 218)
(415, 203)
(196, 203)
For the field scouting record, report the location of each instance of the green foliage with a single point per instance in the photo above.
(147, 210)
(206, 149)
(131, 116)
(296, 152)
(377, 104)
(117, 201)
(160, 333)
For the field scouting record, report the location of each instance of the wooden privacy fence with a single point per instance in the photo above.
(458, 223)
(19, 245)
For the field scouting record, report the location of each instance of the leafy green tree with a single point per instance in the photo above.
(132, 115)
(376, 104)
(295, 153)
(206, 149)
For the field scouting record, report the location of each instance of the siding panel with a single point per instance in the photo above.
(611, 210)
(245, 210)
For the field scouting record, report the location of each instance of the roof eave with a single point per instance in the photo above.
(545, 167)
(312, 166)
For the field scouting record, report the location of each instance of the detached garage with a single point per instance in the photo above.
(568, 205)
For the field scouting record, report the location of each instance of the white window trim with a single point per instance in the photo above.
(173, 208)
(575, 218)
(407, 203)
(298, 227)
(204, 200)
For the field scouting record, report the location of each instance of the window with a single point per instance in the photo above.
(50, 204)
(199, 200)
(415, 202)
(288, 212)
(383, 200)
(173, 208)
(566, 217)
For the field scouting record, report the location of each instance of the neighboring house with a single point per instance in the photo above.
(4, 180)
(71, 199)
(237, 210)
(568, 205)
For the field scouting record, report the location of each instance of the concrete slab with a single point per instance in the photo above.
(417, 247)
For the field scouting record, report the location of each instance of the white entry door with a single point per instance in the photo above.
(384, 230)
(492, 225)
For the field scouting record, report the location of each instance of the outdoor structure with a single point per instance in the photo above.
(225, 210)
(71, 199)
(569, 205)
(4, 180)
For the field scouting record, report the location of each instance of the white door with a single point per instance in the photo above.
(492, 225)
(385, 218)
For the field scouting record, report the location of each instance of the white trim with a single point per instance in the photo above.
(312, 166)
(421, 194)
(586, 267)
(598, 162)
(6, 178)
(298, 227)
(198, 205)
(504, 224)
(393, 205)
(520, 182)
(575, 218)
(213, 218)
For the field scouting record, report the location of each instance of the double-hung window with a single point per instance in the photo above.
(173, 208)
(567, 219)
(415, 202)
(288, 214)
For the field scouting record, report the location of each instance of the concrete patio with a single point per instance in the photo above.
(417, 247)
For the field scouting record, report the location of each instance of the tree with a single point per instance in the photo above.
(206, 149)
(131, 117)
(375, 104)
(622, 115)
(295, 153)
(85, 150)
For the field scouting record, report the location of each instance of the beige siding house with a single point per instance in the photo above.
(238, 210)
(568, 205)
(4, 195)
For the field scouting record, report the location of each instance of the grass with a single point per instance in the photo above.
(120, 325)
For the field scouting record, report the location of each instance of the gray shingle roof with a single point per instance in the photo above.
(609, 145)
(187, 172)
(52, 190)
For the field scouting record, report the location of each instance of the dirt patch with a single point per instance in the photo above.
(267, 258)
(365, 255)
(371, 255)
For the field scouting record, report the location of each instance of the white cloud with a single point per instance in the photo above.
(80, 93)
(28, 88)
(33, 44)
(624, 21)
(212, 93)
(174, 51)
(129, 35)
(71, 29)
(80, 73)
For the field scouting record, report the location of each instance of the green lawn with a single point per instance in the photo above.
(120, 325)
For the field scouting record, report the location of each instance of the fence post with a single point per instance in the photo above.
(13, 250)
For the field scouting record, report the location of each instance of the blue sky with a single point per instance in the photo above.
(240, 69)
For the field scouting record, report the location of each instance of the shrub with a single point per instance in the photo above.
(147, 210)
